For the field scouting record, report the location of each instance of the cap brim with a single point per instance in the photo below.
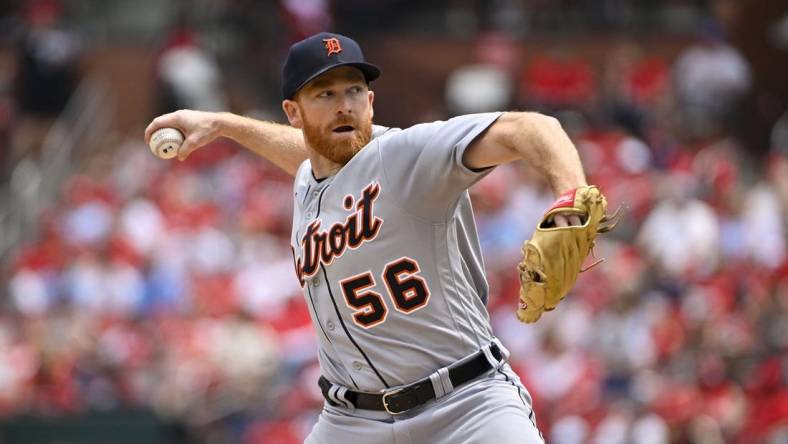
(370, 71)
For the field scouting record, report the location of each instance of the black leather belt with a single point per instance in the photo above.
(405, 398)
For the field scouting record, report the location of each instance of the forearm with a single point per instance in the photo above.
(280, 144)
(544, 144)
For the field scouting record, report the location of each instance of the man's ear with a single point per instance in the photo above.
(371, 96)
(293, 113)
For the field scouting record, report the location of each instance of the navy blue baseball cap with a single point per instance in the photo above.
(319, 53)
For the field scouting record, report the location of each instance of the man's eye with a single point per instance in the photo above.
(325, 94)
(355, 89)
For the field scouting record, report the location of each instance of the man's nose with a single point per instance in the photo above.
(345, 105)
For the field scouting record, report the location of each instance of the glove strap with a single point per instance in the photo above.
(566, 200)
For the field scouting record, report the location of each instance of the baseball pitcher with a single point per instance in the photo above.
(386, 251)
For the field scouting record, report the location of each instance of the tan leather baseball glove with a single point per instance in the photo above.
(554, 256)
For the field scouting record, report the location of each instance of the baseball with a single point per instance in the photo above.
(164, 143)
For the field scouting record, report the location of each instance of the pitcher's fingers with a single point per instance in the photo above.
(560, 220)
(574, 220)
(163, 121)
(189, 145)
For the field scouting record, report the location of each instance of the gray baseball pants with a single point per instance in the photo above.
(495, 408)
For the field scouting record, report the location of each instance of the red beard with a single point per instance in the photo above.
(338, 151)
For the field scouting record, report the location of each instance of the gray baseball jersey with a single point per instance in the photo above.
(387, 253)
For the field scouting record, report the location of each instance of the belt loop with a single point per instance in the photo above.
(487, 350)
(441, 383)
(504, 351)
(337, 394)
(448, 387)
(341, 394)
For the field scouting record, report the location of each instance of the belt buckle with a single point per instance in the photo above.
(386, 404)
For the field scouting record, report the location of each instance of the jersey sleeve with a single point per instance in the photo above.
(423, 164)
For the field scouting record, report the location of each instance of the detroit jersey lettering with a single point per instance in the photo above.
(323, 246)
(390, 309)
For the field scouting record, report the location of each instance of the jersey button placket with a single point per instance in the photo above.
(315, 281)
(330, 325)
(357, 366)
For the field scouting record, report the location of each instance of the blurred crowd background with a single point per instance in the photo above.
(159, 296)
